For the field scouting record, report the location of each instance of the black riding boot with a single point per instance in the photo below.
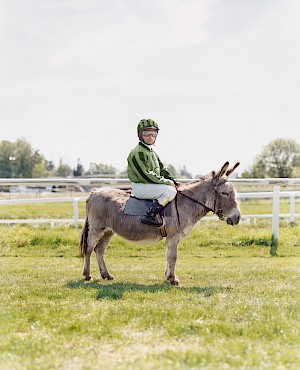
(149, 217)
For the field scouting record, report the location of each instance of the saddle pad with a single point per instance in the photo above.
(138, 207)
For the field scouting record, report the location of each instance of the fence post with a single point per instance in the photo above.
(292, 209)
(275, 220)
(75, 212)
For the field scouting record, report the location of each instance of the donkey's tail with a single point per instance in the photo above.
(84, 236)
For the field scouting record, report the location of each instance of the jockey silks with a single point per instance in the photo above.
(144, 166)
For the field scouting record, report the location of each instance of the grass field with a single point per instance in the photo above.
(237, 307)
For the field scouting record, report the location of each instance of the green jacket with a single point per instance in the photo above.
(145, 166)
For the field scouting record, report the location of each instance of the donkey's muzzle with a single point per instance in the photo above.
(234, 219)
(229, 221)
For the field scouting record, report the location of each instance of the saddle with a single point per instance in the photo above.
(138, 207)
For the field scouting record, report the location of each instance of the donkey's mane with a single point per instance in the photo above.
(198, 180)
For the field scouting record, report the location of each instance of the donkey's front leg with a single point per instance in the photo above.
(171, 261)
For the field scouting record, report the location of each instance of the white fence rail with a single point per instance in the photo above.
(275, 195)
(292, 195)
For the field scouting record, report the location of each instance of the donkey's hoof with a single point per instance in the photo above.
(107, 277)
(175, 282)
(88, 278)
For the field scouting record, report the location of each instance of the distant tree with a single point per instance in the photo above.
(49, 165)
(296, 171)
(280, 158)
(172, 170)
(63, 170)
(19, 159)
(38, 165)
(39, 171)
(24, 158)
(79, 169)
(7, 159)
(184, 173)
(181, 173)
(101, 169)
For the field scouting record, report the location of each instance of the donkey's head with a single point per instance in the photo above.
(224, 195)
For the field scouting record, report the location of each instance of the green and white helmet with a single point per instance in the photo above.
(146, 123)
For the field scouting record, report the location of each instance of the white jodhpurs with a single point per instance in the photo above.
(163, 193)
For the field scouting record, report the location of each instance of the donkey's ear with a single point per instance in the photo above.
(222, 170)
(229, 172)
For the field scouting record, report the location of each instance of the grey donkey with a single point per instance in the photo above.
(105, 216)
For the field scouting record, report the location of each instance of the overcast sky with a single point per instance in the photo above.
(220, 77)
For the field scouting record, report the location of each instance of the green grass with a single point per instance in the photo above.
(40, 210)
(237, 307)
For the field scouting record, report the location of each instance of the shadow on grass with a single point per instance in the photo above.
(116, 291)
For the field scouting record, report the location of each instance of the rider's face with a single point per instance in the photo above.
(149, 136)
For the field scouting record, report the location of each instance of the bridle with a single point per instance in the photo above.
(218, 212)
(218, 181)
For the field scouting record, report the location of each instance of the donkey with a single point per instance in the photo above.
(105, 216)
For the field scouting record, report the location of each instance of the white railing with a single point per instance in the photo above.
(292, 195)
(275, 182)
(75, 201)
(269, 195)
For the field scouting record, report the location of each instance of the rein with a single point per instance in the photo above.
(219, 213)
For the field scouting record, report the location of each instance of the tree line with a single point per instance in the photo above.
(20, 160)
(279, 158)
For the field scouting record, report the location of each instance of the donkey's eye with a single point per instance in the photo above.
(225, 194)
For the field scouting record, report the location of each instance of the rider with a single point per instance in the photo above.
(150, 179)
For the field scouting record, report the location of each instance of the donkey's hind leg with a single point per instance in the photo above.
(93, 237)
(100, 250)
